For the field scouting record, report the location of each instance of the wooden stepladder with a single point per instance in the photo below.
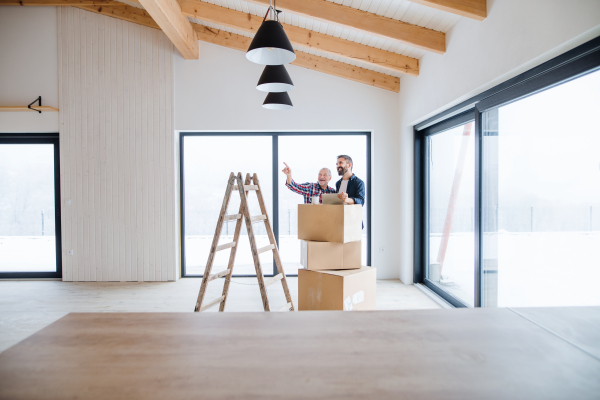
(251, 184)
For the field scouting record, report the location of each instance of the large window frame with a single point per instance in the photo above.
(41, 138)
(571, 65)
(276, 182)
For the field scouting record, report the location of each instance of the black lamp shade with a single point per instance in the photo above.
(271, 45)
(275, 79)
(278, 101)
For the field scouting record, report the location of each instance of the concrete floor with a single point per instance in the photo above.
(28, 306)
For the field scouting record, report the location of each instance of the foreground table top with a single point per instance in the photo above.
(432, 354)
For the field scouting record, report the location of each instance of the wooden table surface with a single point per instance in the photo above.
(431, 354)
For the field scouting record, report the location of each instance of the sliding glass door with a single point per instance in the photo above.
(208, 162)
(451, 188)
(306, 155)
(507, 190)
(207, 159)
(541, 198)
(29, 207)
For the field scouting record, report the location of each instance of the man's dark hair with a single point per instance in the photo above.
(348, 159)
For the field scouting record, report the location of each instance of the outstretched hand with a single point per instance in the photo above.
(287, 170)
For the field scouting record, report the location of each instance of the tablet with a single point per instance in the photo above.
(331, 199)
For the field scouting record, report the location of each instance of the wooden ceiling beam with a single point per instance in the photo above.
(124, 12)
(167, 14)
(56, 3)
(372, 24)
(231, 40)
(303, 37)
(475, 9)
(109, 8)
(321, 64)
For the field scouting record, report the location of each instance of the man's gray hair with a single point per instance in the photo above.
(328, 170)
(348, 159)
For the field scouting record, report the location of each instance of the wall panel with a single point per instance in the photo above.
(117, 149)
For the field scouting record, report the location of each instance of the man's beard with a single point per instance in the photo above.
(342, 171)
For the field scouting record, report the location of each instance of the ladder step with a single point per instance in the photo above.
(225, 246)
(274, 279)
(232, 217)
(214, 302)
(287, 307)
(266, 248)
(258, 218)
(218, 275)
(246, 187)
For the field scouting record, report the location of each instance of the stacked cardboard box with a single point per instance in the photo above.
(333, 278)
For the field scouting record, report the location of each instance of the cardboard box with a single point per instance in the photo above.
(330, 223)
(350, 290)
(316, 256)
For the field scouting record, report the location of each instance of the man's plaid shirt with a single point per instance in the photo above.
(309, 190)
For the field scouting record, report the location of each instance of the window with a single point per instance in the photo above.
(507, 190)
(29, 207)
(207, 164)
(541, 198)
(451, 195)
(207, 159)
(306, 156)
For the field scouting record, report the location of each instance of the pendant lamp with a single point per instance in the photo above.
(275, 79)
(271, 45)
(278, 101)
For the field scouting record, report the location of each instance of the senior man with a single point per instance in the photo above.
(310, 190)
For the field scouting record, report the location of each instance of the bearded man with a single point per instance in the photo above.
(350, 189)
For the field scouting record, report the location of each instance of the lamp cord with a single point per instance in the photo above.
(274, 15)
(268, 9)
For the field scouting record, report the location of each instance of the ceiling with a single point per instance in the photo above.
(400, 10)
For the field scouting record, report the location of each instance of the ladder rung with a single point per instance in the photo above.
(217, 275)
(287, 307)
(225, 246)
(258, 218)
(274, 279)
(214, 302)
(232, 217)
(266, 248)
(246, 187)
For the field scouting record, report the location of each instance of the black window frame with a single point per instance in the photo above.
(276, 181)
(570, 65)
(41, 138)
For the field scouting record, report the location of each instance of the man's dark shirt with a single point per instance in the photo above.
(355, 189)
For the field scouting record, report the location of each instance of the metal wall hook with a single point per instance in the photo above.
(39, 100)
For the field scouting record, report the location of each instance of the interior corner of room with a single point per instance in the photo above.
(391, 185)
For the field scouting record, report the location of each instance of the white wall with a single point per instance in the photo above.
(116, 149)
(218, 93)
(28, 65)
(516, 36)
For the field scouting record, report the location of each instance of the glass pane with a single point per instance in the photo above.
(541, 205)
(208, 161)
(306, 156)
(27, 230)
(451, 197)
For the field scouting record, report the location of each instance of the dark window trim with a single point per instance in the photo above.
(450, 123)
(573, 64)
(593, 46)
(449, 297)
(41, 138)
(275, 162)
(421, 228)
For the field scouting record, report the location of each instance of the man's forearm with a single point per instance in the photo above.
(350, 200)
(289, 179)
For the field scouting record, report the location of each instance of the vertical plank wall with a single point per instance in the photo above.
(116, 149)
